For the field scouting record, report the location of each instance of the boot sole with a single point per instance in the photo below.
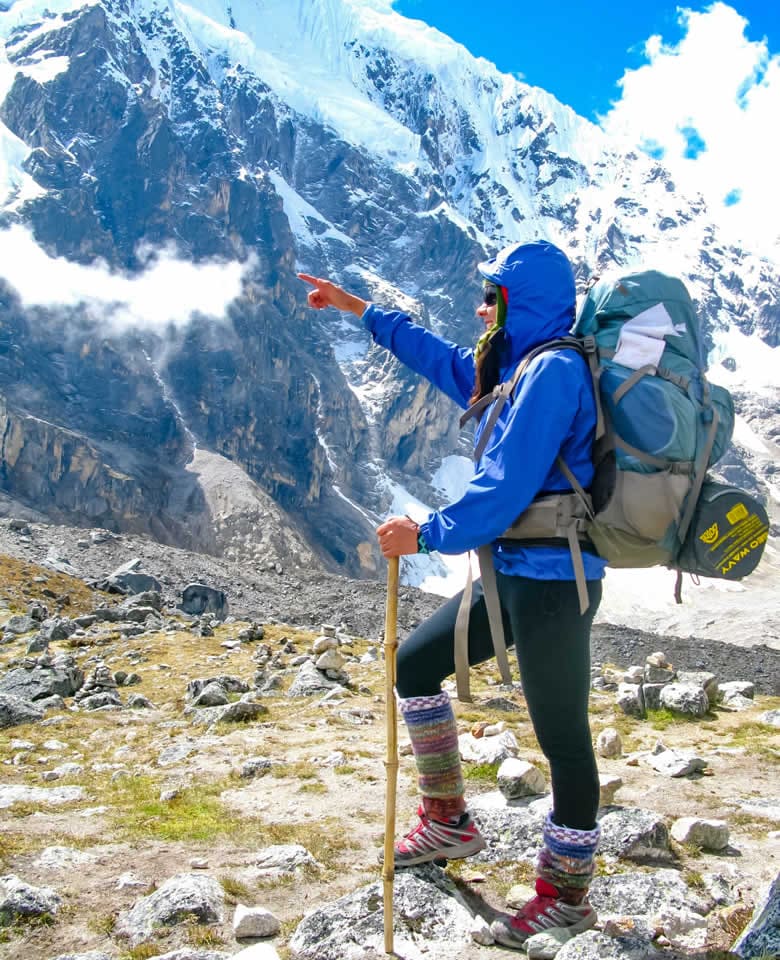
(510, 940)
(440, 857)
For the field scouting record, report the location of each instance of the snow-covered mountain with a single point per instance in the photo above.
(254, 138)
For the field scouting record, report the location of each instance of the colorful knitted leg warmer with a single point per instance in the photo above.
(434, 735)
(567, 859)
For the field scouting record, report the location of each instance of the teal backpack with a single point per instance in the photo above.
(661, 426)
(666, 425)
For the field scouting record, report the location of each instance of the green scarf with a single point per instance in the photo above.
(498, 324)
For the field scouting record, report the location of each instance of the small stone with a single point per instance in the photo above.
(609, 744)
(705, 834)
(254, 922)
(545, 946)
(330, 660)
(519, 895)
(518, 778)
(493, 729)
(480, 932)
(734, 688)
(321, 644)
(608, 787)
(130, 880)
(199, 863)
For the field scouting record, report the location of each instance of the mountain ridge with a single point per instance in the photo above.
(153, 126)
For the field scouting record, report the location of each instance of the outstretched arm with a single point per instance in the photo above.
(327, 294)
(448, 366)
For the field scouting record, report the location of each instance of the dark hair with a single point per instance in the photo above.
(488, 366)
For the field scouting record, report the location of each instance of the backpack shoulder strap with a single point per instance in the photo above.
(503, 391)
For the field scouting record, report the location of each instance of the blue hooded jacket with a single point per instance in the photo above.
(552, 411)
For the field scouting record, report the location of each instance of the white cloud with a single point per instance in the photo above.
(725, 91)
(167, 292)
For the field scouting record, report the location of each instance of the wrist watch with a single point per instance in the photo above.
(422, 546)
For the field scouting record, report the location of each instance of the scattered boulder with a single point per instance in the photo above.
(18, 625)
(493, 749)
(256, 767)
(241, 711)
(427, 907)
(593, 945)
(254, 922)
(13, 793)
(212, 695)
(180, 898)
(518, 778)
(15, 711)
(284, 859)
(736, 688)
(771, 718)
(761, 937)
(630, 699)
(686, 698)
(512, 829)
(635, 834)
(197, 599)
(45, 677)
(129, 579)
(228, 683)
(701, 678)
(675, 763)
(643, 894)
(704, 834)
(22, 901)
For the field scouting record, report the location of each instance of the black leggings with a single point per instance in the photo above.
(551, 638)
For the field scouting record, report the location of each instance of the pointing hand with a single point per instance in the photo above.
(327, 294)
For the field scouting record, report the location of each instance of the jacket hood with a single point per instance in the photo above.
(541, 294)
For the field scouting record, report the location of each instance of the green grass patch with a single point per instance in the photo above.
(201, 935)
(344, 770)
(663, 718)
(757, 739)
(143, 951)
(694, 879)
(235, 890)
(196, 814)
(325, 840)
(299, 770)
(103, 924)
(481, 772)
(314, 786)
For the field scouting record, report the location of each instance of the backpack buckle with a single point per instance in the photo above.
(589, 343)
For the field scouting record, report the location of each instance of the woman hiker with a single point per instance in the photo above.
(529, 298)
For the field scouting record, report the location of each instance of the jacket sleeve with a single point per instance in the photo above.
(448, 366)
(517, 461)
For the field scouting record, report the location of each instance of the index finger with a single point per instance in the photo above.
(314, 281)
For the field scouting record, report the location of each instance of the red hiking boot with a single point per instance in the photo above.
(432, 840)
(546, 911)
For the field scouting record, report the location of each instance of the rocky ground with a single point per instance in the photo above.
(137, 812)
(306, 599)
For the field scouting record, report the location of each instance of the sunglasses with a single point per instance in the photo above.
(490, 296)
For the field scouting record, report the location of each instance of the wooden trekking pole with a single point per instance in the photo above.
(391, 761)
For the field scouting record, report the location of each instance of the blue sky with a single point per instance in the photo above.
(695, 85)
(578, 50)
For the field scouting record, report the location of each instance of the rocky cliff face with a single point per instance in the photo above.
(142, 126)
